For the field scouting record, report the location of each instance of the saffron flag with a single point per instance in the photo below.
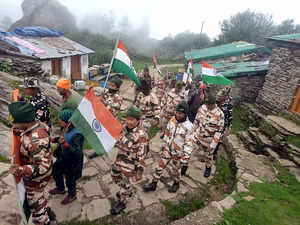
(154, 58)
(210, 75)
(21, 191)
(123, 64)
(96, 123)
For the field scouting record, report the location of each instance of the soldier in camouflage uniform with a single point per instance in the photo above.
(149, 105)
(169, 102)
(112, 98)
(224, 102)
(129, 162)
(37, 99)
(176, 150)
(36, 159)
(208, 127)
(160, 88)
(145, 76)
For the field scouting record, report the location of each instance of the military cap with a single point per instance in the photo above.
(134, 112)
(179, 84)
(65, 115)
(210, 97)
(182, 107)
(21, 112)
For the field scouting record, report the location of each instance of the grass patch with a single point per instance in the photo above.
(5, 67)
(275, 203)
(4, 159)
(152, 131)
(174, 69)
(223, 175)
(294, 140)
(184, 207)
(54, 116)
(289, 117)
(239, 123)
(267, 129)
(140, 63)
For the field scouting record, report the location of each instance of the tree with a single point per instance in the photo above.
(247, 26)
(287, 27)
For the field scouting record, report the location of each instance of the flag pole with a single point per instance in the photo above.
(112, 60)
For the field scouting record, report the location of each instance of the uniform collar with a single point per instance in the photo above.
(30, 129)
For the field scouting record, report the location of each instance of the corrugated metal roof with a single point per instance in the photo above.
(221, 51)
(295, 38)
(58, 47)
(236, 69)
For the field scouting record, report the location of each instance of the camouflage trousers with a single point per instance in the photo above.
(206, 154)
(35, 194)
(121, 177)
(169, 160)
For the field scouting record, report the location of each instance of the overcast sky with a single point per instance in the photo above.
(171, 16)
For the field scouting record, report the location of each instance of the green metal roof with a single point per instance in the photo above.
(288, 37)
(236, 69)
(221, 51)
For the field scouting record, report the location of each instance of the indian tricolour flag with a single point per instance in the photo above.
(96, 123)
(190, 67)
(210, 75)
(123, 64)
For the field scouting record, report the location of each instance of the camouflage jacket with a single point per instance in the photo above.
(179, 137)
(149, 105)
(226, 108)
(208, 126)
(131, 147)
(36, 153)
(113, 102)
(41, 106)
(170, 101)
(159, 88)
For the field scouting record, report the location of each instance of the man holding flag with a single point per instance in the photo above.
(129, 163)
(35, 164)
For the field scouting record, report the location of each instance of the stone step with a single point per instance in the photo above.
(285, 124)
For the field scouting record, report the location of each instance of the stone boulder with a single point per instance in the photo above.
(47, 13)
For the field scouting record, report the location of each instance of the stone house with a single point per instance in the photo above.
(54, 55)
(281, 90)
(244, 63)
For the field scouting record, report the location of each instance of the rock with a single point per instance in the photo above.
(101, 164)
(241, 187)
(272, 154)
(285, 124)
(133, 204)
(9, 180)
(217, 205)
(227, 203)
(5, 137)
(250, 178)
(265, 140)
(46, 13)
(89, 172)
(295, 171)
(96, 209)
(66, 212)
(189, 182)
(286, 163)
(107, 179)
(9, 203)
(92, 188)
(4, 167)
(248, 198)
(148, 198)
(196, 173)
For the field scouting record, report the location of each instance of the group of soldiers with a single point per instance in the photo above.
(162, 102)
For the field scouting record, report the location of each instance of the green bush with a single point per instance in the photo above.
(5, 67)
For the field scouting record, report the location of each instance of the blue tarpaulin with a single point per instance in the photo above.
(37, 32)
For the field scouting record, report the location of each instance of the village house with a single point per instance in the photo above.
(281, 90)
(38, 50)
(244, 63)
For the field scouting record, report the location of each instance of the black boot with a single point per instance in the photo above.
(117, 209)
(150, 187)
(162, 136)
(183, 170)
(51, 214)
(207, 171)
(118, 195)
(174, 187)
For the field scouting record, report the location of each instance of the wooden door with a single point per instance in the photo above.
(56, 66)
(296, 104)
(75, 67)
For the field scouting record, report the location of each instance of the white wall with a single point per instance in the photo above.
(84, 60)
(66, 67)
(47, 66)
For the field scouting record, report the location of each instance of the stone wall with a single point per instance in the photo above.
(281, 81)
(246, 88)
